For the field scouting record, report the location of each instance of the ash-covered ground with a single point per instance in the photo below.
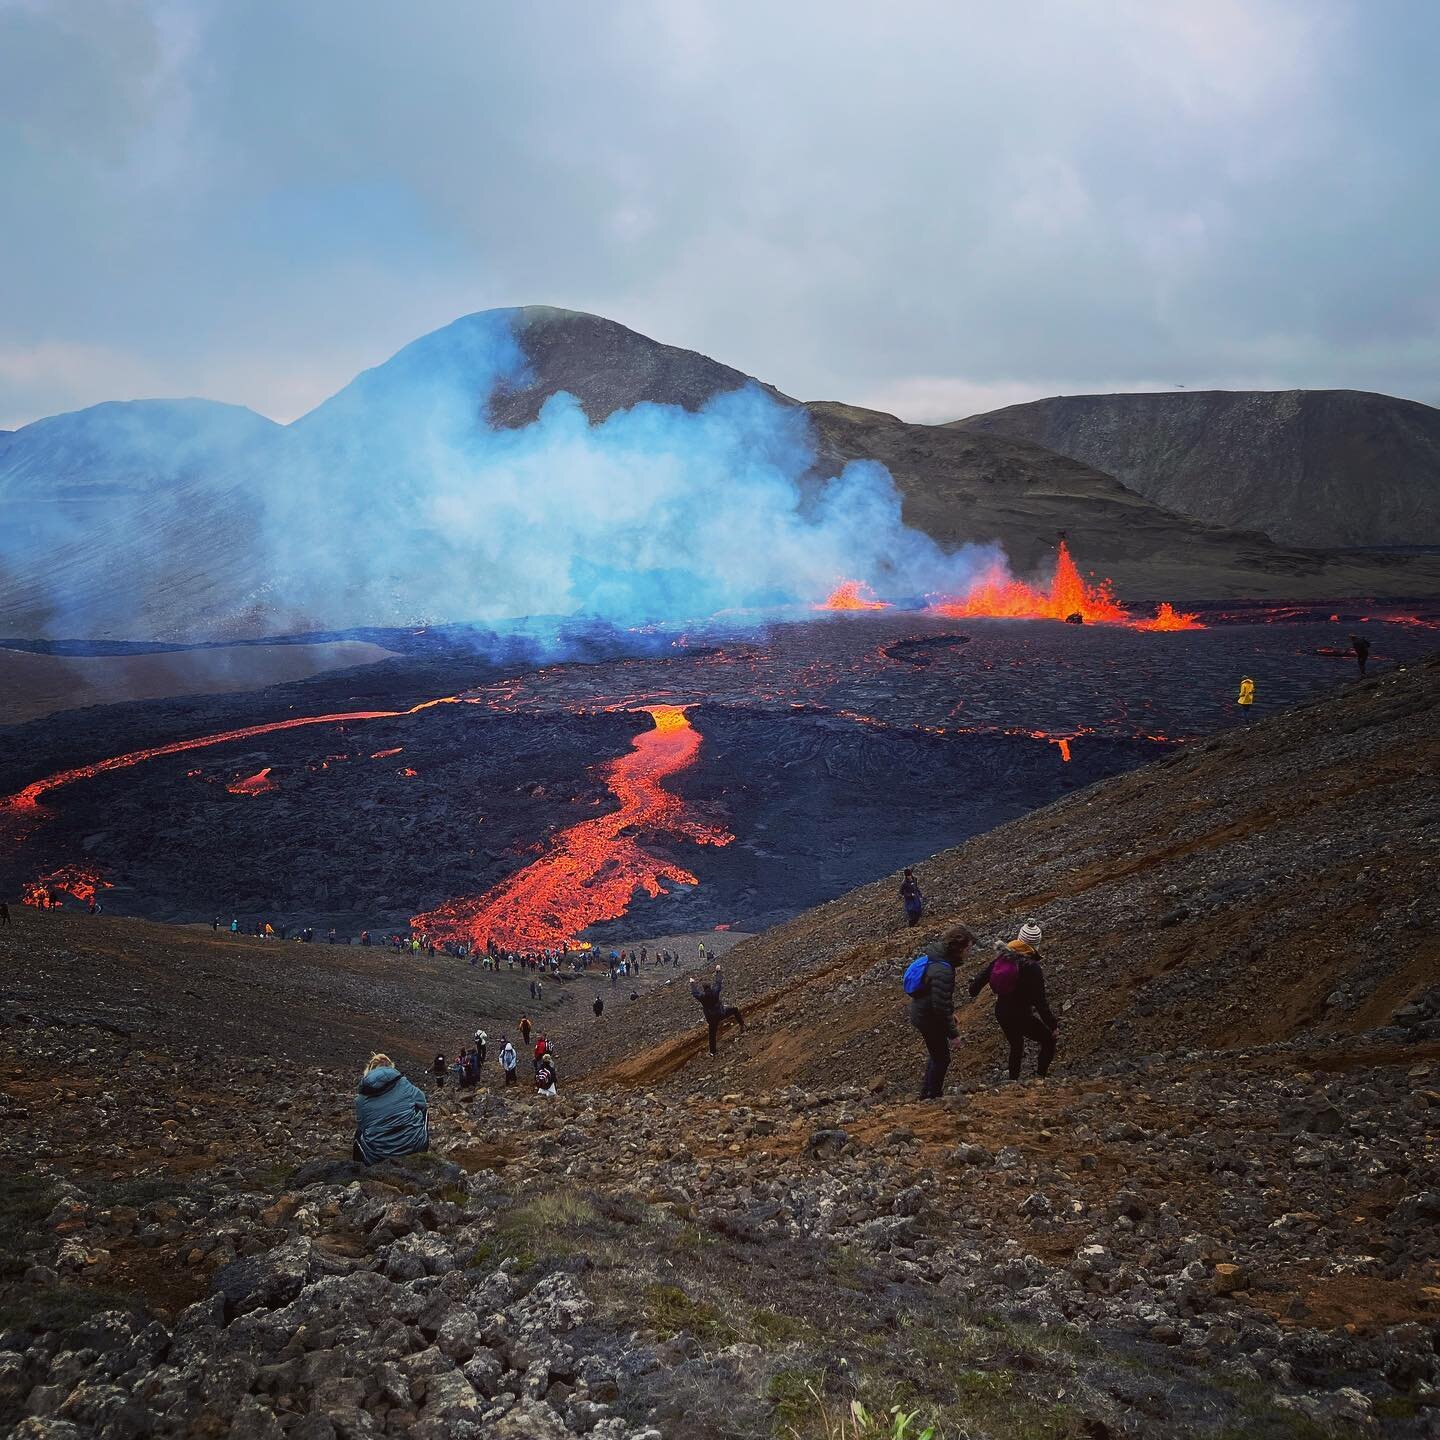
(833, 751)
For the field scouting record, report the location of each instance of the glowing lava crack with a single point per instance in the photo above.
(590, 871)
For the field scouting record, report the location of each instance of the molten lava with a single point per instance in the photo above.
(256, 784)
(852, 595)
(1167, 617)
(996, 594)
(27, 801)
(73, 880)
(590, 871)
(385, 754)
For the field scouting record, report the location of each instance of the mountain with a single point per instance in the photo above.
(139, 511)
(1334, 468)
(195, 520)
(957, 486)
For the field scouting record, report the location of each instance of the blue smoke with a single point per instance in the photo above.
(396, 503)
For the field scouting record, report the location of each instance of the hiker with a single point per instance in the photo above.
(1020, 1008)
(930, 984)
(539, 991)
(438, 1070)
(716, 1013)
(391, 1114)
(525, 1028)
(1361, 646)
(1247, 692)
(234, 927)
(911, 898)
(598, 1007)
(545, 1076)
(509, 1060)
(4, 913)
(542, 1048)
(482, 1043)
(215, 924)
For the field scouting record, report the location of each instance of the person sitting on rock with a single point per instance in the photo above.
(391, 1114)
(715, 1011)
(1020, 1006)
(509, 1060)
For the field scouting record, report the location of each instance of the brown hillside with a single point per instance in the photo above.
(1306, 467)
(1274, 882)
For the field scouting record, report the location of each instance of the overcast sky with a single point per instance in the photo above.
(930, 208)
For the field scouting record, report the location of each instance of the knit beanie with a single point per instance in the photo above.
(1031, 933)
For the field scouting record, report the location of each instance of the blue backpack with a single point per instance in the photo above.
(915, 974)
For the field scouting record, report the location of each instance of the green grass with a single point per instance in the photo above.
(797, 1396)
(25, 1201)
(60, 1307)
(670, 1310)
(536, 1230)
(1396, 1407)
(772, 1328)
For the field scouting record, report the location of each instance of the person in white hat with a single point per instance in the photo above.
(1021, 1010)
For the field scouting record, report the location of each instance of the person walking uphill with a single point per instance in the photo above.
(1361, 646)
(391, 1114)
(911, 897)
(716, 1012)
(1020, 1006)
(930, 984)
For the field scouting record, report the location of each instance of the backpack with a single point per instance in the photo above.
(1005, 973)
(915, 974)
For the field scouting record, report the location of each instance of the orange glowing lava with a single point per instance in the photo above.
(27, 801)
(852, 595)
(72, 880)
(407, 772)
(997, 595)
(1167, 617)
(256, 784)
(590, 871)
(385, 754)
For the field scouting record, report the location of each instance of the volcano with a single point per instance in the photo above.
(220, 524)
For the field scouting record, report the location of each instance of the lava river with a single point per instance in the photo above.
(27, 801)
(590, 871)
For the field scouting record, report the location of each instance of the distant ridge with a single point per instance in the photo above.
(1332, 468)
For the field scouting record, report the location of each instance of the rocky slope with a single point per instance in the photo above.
(1305, 467)
(1218, 1216)
(1271, 884)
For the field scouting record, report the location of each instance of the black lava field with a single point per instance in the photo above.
(808, 759)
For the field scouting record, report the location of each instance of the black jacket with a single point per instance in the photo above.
(935, 999)
(709, 998)
(1028, 994)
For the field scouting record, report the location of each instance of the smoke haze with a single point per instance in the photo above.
(396, 502)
